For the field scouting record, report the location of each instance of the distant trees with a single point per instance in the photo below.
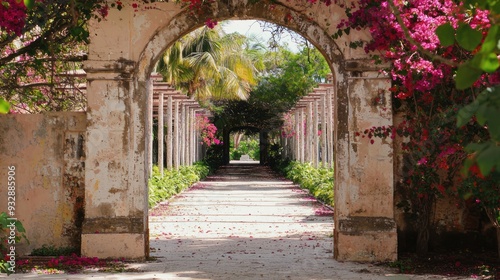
(286, 77)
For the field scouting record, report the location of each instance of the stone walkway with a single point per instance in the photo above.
(243, 223)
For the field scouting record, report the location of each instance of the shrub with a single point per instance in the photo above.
(319, 181)
(213, 157)
(51, 250)
(174, 181)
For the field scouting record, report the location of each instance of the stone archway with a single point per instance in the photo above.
(122, 54)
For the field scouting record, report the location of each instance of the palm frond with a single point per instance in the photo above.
(209, 64)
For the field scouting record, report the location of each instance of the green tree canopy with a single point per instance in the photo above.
(287, 77)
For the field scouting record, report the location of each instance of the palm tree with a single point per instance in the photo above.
(209, 64)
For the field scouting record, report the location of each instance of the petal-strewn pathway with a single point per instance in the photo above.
(244, 223)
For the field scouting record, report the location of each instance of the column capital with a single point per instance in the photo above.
(109, 70)
(364, 65)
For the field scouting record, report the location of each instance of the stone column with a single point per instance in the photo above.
(315, 133)
(302, 135)
(309, 133)
(285, 144)
(296, 153)
(187, 135)
(330, 127)
(191, 137)
(170, 132)
(161, 132)
(194, 135)
(324, 132)
(182, 145)
(149, 129)
(365, 228)
(116, 208)
(176, 135)
(195, 138)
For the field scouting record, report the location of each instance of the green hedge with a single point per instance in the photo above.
(174, 181)
(319, 181)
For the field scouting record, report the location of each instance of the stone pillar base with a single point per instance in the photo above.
(115, 245)
(369, 247)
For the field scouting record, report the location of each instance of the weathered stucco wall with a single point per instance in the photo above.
(47, 152)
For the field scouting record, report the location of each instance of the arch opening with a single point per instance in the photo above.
(359, 218)
(244, 145)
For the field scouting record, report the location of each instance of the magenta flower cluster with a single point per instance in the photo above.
(412, 72)
(207, 130)
(423, 86)
(12, 16)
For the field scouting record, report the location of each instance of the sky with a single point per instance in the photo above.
(252, 27)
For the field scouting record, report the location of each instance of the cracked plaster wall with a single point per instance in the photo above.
(48, 154)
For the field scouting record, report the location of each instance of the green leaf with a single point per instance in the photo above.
(4, 106)
(475, 147)
(482, 114)
(486, 107)
(488, 158)
(466, 75)
(75, 31)
(488, 62)
(494, 123)
(465, 114)
(20, 227)
(446, 34)
(489, 109)
(29, 4)
(486, 94)
(468, 38)
(491, 41)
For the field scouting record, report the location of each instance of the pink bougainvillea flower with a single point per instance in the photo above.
(422, 161)
(12, 16)
(211, 23)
